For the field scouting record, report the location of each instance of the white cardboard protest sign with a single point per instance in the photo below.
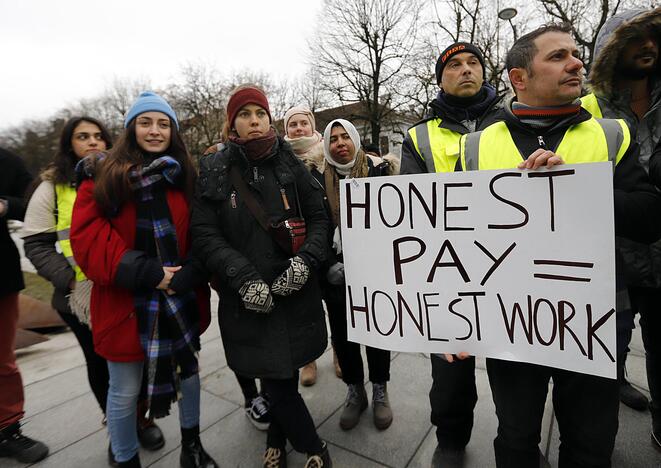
(516, 265)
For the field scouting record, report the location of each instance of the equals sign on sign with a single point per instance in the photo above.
(563, 263)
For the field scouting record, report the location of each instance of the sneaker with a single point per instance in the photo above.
(632, 397)
(275, 458)
(354, 405)
(309, 374)
(257, 412)
(13, 444)
(320, 460)
(381, 406)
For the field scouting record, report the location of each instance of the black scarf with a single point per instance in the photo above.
(461, 109)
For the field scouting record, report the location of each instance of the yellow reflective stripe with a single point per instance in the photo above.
(438, 147)
(496, 141)
(591, 104)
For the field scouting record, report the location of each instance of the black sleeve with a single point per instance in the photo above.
(191, 275)
(50, 264)
(210, 247)
(136, 271)
(637, 201)
(15, 196)
(412, 162)
(315, 248)
(655, 166)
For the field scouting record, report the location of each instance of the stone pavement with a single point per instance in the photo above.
(61, 411)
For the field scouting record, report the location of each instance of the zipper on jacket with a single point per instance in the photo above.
(540, 140)
(285, 201)
(233, 199)
(255, 176)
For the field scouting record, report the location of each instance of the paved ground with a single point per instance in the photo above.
(61, 411)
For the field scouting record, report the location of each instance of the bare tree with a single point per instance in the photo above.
(586, 17)
(360, 50)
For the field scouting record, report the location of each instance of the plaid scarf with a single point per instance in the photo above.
(168, 332)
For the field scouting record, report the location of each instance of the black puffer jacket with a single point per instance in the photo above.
(234, 248)
(14, 181)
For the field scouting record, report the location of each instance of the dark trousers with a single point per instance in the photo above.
(248, 387)
(11, 385)
(97, 367)
(647, 302)
(585, 406)
(453, 396)
(290, 418)
(348, 353)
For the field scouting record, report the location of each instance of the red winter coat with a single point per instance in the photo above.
(98, 244)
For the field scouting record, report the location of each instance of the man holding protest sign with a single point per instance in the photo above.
(546, 122)
(625, 84)
(465, 103)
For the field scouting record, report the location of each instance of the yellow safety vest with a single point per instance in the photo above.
(591, 104)
(65, 196)
(438, 147)
(594, 140)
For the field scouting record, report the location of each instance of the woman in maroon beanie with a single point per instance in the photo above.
(247, 230)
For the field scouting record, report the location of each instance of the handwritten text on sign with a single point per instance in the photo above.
(517, 265)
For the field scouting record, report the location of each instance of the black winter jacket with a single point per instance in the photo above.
(14, 181)
(232, 245)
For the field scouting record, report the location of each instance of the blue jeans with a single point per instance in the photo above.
(121, 412)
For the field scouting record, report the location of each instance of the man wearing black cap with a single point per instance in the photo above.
(465, 103)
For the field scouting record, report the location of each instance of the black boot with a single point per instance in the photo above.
(192, 452)
(132, 463)
(320, 460)
(13, 444)
(150, 435)
(629, 395)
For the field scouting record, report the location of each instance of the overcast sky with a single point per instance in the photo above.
(57, 52)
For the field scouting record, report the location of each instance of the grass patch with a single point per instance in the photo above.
(37, 287)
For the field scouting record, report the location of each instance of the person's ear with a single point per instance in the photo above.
(518, 78)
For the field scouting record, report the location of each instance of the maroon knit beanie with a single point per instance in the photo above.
(248, 95)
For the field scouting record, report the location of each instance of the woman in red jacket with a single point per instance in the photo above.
(130, 236)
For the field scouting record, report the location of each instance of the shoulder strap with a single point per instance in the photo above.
(56, 211)
(252, 203)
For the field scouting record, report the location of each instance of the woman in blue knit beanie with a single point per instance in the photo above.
(130, 235)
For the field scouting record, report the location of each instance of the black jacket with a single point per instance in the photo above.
(14, 181)
(335, 293)
(232, 245)
(412, 163)
(635, 197)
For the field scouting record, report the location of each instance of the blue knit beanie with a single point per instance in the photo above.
(149, 101)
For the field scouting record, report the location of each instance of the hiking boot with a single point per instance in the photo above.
(309, 374)
(257, 411)
(381, 406)
(323, 459)
(632, 397)
(13, 444)
(336, 365)
(193, 454)
(275, 458)
(354, 405)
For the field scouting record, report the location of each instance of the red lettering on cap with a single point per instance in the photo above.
(452, 52)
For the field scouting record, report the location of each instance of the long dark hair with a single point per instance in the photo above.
(65, 160)
(112, 187)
